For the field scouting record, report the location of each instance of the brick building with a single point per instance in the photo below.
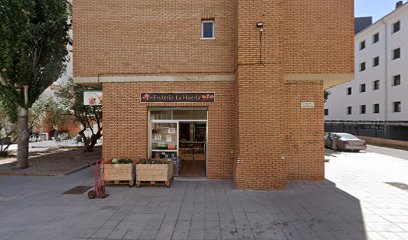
(232, 87)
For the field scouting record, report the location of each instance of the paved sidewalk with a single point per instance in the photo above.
(353, 204)
(398, 153)
(365, 176)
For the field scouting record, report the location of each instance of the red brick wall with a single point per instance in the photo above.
(260, 99)
(126, 121)
(305, 131)
(318, 36)
(71, 127)
(152, 37)
(257, 132)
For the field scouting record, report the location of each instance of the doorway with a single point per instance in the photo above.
(192, 149)
(180, 134)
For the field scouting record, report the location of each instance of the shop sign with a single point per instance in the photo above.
(177, 97)
(92, 98)
(307, 105)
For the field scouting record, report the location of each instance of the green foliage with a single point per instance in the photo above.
(71, 97)
(9, 108)
(33, 48)
(326, 95)
(46, 109)
(7, 132)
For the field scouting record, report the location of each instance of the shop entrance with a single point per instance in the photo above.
(180, 134)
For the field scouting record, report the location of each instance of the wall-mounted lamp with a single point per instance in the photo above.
(260, 25)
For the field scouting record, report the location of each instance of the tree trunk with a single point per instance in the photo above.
(23, 138)
(94, 140)
(89, 143)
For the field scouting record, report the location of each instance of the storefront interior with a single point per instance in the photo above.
(180, 134)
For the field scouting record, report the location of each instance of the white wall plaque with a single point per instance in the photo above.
(307, 105)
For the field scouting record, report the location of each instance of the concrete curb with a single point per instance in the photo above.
(11, 173)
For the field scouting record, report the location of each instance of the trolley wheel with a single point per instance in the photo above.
(130, 185)
(167, 184)
(138, 184)
(92, 194)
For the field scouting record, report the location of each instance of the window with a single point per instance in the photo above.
(362, 87)
(376, 108)
(396, 27)
(396, 107)
(362, 66)
(376, 85)
(349, 91)
(349, 111)
(376, 38)
(326, 112)
(396, 80)
(376, 61)
(396, 53)
(362, 109)
(207, 29)
(362, 45)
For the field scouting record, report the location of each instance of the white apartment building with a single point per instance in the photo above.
(376, 102)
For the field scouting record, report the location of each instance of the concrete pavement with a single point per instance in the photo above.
(398, 153)
(354, 203)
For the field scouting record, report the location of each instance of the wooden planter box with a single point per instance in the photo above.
(119, 173)
(154, 173)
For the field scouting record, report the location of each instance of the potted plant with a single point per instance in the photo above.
(119, 171)
(154, 171)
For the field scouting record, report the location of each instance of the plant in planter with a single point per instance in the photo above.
(121, 161)
(119, 171)
(153, 171)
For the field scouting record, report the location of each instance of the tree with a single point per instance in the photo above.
(33, 51)
(326, 95)
(70, 97)
(7, 132)
(46, 111)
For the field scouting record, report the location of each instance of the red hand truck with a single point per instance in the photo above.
(99, 190)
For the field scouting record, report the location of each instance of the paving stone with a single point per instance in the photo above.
(245, 234)
(118, 233)
(229, 234)
(196, 234)
(133, 233)
(391, 236)
(212, 224)
(111, 224)
(228, 224)
(212, 234)
(148, 234)
(201, 225)
(353, 204)
(86, 233)
(375, 236)
(166, 230)
(102, 233)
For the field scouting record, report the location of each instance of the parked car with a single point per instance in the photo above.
(344, 141)
(327, 140)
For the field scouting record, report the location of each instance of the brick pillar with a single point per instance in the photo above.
(260, 98)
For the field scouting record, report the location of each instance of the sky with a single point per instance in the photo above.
(375, 8)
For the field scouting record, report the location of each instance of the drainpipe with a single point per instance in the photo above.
(386, 78)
